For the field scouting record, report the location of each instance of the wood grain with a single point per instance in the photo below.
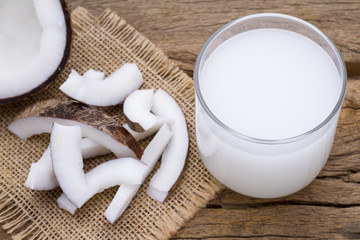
(181, 27)
(268, 222)
(329, 208)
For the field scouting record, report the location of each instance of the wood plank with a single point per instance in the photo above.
(345, 155)
(352, 98)
(279, 221)
(180, 28)
(4, 235)
(326, 192)
(329, 208)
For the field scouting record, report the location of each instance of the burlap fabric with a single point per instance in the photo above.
(103, 43)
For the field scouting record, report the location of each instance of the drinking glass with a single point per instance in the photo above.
(264, 168)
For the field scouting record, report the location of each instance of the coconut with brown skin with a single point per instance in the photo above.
(35, 43)
(94, 123)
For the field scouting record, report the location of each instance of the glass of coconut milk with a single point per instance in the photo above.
(269, 89)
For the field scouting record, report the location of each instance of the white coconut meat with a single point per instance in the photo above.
(115, 172)
(174, 156)
(120, 202)
(68, 163)
(94, 124)
(121, 171)
(137, 109)
(126, 193)
(33, 40)
(142, 135)
(68, 167)
(43, 125)
(90, 148)
(64, 203)
(41, 176)
(93, 89)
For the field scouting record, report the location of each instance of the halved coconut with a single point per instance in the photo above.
(35, 39)
(94, 124)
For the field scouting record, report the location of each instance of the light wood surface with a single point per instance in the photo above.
(329, 208)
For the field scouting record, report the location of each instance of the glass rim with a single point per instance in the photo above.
(237, 134)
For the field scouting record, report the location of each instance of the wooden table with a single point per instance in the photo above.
(330, 207)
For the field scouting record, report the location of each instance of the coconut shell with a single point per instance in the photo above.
(91, 116)
(134, 126)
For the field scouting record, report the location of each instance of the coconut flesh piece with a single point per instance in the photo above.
(174, 156)
(68, 167)
(68, 163)
(93, 89)
(137, 108)
(94, 124)
(126, 192)
(121, 171)
(41, 175)
(64, 203)
(90, 149)
(142, 135)
(35, 39)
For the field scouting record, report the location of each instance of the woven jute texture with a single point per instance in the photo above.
(103, 43)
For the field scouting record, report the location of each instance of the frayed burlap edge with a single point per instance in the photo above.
(16, 222)
(14, 218)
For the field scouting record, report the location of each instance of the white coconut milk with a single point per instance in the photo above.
(267, 84)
